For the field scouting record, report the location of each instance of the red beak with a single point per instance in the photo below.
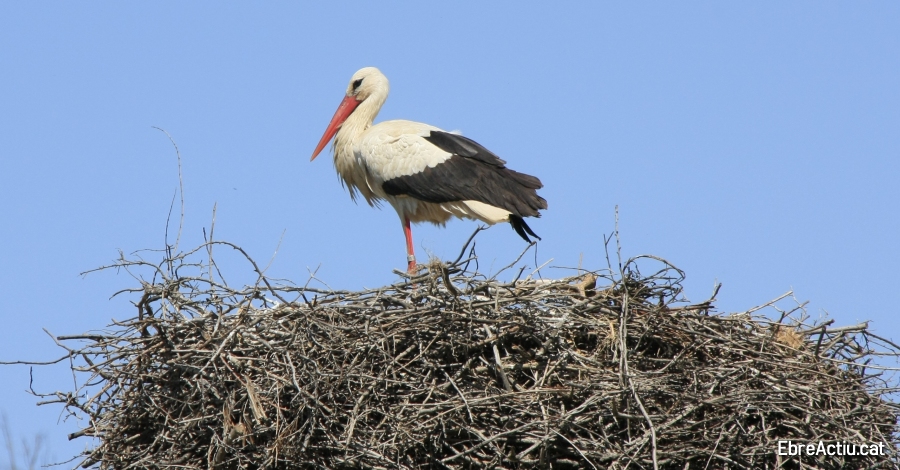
(344, 109)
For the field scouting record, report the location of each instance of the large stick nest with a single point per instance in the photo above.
(453, 369)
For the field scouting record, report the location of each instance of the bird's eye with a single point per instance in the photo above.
(357, 83)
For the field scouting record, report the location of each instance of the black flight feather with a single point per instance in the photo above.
(473, 173)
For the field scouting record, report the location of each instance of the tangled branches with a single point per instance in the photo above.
(452, 369)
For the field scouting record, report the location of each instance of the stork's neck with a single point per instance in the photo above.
(357, 123)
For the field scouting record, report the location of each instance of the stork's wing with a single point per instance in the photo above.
(456, 144)
(469, 172)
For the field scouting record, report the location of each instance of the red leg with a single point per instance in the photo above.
(410, 256)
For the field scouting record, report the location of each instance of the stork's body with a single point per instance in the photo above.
(426, 174)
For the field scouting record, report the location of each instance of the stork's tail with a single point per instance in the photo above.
(519, 225)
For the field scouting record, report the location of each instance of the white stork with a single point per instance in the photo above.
(425, 173)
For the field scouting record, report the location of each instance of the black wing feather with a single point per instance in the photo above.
(464, 147)
(471, 173)
(519, 225)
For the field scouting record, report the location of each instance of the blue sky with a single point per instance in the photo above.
(754, 144)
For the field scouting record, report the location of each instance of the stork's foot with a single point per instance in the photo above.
(412, 268)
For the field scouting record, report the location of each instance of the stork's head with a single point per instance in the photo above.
(367, 85)
(366, 82)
